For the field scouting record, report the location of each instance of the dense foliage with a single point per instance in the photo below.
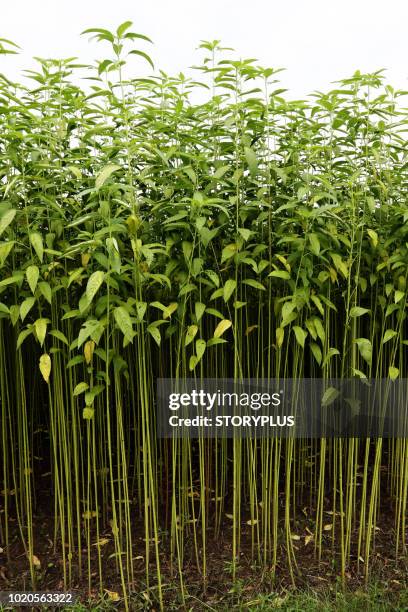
(209, 227)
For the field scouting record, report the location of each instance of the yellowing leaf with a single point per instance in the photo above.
(373, 237)
(393, 372)
(85, 257)
(113, 595)
(45, 366)
(250, 329)
(222, 327)
(88, 413)
(280, 334)
(200, 348)
(168, 311)
(40, 327)
(328, 527)
(36, 561)
(102, 542)
(252, 522)
(89, 514)
(191, 333)
(89, 348)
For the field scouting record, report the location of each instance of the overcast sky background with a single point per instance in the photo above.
(317, 41)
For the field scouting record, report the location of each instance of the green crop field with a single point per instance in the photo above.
(202, 226)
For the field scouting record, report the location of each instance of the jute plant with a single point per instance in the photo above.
(145, 234)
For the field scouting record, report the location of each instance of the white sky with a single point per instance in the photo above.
(317, 41)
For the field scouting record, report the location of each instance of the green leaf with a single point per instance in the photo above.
(330, 353)
(59, 335)
(124, 322)
(187, 288)
(92, 393)
(22, 336)
(389, 334)
(280, 335)
(192, 362)
(155, 333)
(357, 311)
(26, 307)
(123, 27)
(94, 282)
(104, 174)
(14, 313)
(199, 309)
(280, 274)
(215, 341)
(141, 308)
(301, 335)
(339, 264)
(314, 244)
(245, 233)
(6, 219)
(365, 348)
(191, 333)
(37, 243)
(88, 413)
(254, 283)
(229, 289)
(80, 388)
(144, 55)
(5, 250)
(251, 160)
(398, 296)
(46, 291)
(373, 237)
(32, 274)
(316, 301)
(329, 396)
(214, 313)
(228, 252)
(200, 348)
(317, 353)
